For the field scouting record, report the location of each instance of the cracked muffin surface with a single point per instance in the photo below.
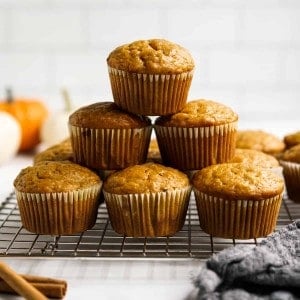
(199, 113)
(106, 115)
(153, 56)
(146, 178)
(238, 181)
(53, 176)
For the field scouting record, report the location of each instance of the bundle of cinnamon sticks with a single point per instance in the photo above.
(30, 286)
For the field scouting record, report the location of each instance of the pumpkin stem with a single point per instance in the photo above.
(9, 95)
(67, 99)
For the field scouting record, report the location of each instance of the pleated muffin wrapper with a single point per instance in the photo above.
(291, 174)
(238, 219)
(149, 214)
(110, 149)
(61, 213)
(193, 148)
(150, 94)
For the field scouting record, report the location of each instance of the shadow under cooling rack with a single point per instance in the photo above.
(102, 241)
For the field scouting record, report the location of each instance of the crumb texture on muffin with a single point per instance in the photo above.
(146, 178)
(238, 181)
(154, 56)
(52, 176)
(199, 113)
(106, 115)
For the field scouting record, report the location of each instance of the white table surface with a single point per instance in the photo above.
(103, 278)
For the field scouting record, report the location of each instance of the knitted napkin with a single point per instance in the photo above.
(270, 270)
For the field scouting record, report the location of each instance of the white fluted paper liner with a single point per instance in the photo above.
(59, 213)
(291, 174)
(196, 147)
(150, 94)
(110, 149)
(149, 214)
(239, 219)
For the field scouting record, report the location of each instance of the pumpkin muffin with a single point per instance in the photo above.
(292, 139)
(148, 200)
(290, 161)
(57, 198)
(150, 77)
(259, 140)
(60, 152)
(107, 138)
(201, 134)
(237, 200)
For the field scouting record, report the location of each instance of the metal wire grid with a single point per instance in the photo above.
(102, 241)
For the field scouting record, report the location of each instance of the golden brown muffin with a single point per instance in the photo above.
(155, 56)
(290, 161)
(57, 197)
(147, 200)
(255, 157)
(259, 140)
(201, 134)
(60, 152)
(292, 139)
(237, 200)
(150, 77)
(107, 138)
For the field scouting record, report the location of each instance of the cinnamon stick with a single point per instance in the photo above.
(19, 284)
(50, 287)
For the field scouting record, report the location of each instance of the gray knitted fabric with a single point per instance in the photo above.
(269, 271)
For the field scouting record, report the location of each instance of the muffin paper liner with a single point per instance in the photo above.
(148, 214)
(59, 213)
(196, 147)
(239, 219)
(150, 94)
(110, 149)
(291, 174)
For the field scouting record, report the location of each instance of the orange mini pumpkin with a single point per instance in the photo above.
(31, 114)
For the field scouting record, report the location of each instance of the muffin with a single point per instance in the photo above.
(60, 152)
(292, 139)
(259, 140)
(148, 200)
(237, 200)
(57, 198)
(150, 77)
(290, 161)
(201, 134)
(107, 138)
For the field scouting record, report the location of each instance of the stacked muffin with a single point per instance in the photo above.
(152, 78)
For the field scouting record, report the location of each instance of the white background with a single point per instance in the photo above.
(247, 53)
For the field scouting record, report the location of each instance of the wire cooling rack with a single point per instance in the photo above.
(102, 241)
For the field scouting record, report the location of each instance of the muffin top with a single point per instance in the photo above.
(58, 152)
(106, 115)
(155, 56)
(259, 140)
(258, 158)
(146, 178)
(54, 177)
(292, 139)
(292, 154)
(199, 113)
(238, 181)
(153, 152)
